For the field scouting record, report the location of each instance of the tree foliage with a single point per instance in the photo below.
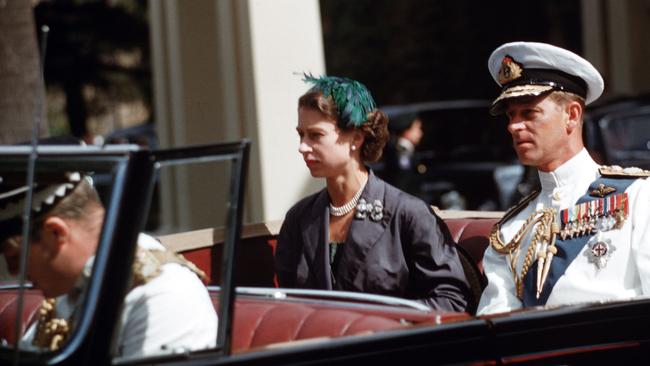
(21, 93)
(98, 54)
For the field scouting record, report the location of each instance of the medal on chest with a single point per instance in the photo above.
(599, 250)
(598, 215)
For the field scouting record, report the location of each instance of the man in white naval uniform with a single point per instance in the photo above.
(167, 308)
(585, 236)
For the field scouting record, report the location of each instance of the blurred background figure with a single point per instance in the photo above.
(401, 164)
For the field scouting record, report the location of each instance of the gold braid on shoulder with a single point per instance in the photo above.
(51, 332)
(148, 265)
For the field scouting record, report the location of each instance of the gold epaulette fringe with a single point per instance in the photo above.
(148, 265)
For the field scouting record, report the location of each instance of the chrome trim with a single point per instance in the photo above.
(283, 293)
(14, 285)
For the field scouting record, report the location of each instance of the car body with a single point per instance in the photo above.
(271, 326)
(618, 132)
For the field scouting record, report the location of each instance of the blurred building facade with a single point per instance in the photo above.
(615, 41)
(231, 69)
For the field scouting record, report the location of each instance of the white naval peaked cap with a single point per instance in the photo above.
(532, 68)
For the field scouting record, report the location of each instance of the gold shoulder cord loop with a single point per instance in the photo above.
(545, 233)
(51, 332)
(148, 265)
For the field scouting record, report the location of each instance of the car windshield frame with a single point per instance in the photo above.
(135, 173)
(127, 164)
(238, 154)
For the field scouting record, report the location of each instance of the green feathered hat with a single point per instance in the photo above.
(352, 99)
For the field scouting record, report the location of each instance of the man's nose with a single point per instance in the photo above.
(515, 124)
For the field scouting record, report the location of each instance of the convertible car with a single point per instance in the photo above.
(260, 324)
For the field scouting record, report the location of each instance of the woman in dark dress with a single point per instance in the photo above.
(360, 233)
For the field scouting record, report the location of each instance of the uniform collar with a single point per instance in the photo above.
(581, 165)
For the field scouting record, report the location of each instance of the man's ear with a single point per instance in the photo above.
(574, 116)
(54, 234)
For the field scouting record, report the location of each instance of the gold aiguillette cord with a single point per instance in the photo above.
(545, 234)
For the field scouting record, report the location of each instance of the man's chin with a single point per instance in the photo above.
(48, 292)
(527, 160)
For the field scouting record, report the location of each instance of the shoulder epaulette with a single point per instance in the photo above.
(615, 171)
(519, 206)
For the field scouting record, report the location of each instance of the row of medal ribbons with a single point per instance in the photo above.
(601, 214)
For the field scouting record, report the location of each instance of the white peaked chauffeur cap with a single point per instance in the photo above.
(525, 69)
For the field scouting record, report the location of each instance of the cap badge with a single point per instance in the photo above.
(509, 71)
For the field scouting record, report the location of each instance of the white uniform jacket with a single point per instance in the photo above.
(627, 272)
(170, 313)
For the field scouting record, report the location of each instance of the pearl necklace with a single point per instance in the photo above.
(348, 206)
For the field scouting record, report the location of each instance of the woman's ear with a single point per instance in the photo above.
(357, 139)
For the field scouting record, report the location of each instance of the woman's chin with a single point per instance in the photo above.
(315, 174)
(315, 170)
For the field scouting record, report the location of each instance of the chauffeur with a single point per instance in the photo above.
(167, 308)
(585, 236)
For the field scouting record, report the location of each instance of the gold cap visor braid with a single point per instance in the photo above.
(517, 91)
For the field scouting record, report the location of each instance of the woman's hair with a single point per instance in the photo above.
(375, 129)
(376, 135)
